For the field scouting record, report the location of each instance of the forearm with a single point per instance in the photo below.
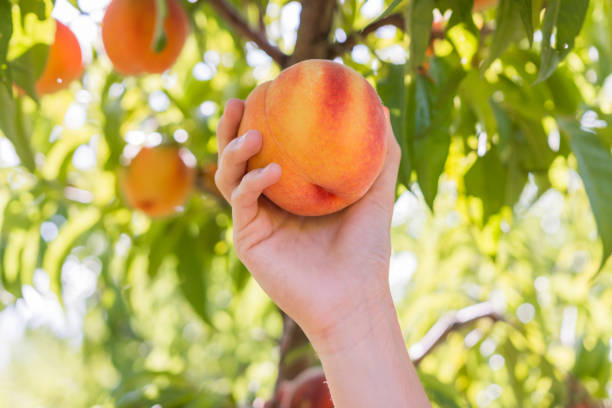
(366, 362)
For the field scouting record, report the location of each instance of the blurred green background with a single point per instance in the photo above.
(504, 202)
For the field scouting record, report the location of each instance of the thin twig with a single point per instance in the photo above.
(233, 18)
(452, 322)
(352, 39)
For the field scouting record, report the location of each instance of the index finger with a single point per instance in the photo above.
(229, 123)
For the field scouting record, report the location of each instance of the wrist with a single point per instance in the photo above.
(370, 316)
(366, 362)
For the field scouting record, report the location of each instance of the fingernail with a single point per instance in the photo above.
(274, 166)
(241, 139)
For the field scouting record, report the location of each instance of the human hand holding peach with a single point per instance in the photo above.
(318, 270)
(329, 273)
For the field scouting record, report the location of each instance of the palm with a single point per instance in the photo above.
(293, 257)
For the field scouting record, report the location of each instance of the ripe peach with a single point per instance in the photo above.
(482, 5)
(64, 62)
(324, 125)
(128, 33)
(157, 181)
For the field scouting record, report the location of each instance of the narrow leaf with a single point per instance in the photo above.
(508, 30)
(526, 12)
(419, 19)
(389, 9)
(430, 117)
(6, 31)
(79, 223)
(595, 167)
(191, 271)
(461, 13)
(392, 91)
(486, 180)
(12, 127)
(562, 23)
(26, 69)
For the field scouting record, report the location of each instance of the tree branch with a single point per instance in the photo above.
(316, 20)
(352, 39)
(292, 365)
(233, 18)
(452, 322)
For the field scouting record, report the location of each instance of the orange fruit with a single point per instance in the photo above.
(157, 181)
(128, 33)
(64, 62)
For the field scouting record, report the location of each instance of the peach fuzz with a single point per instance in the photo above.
(324, 124)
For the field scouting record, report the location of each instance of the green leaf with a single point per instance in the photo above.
(11, 124)
(12, 257)
(486, 180)
(160, 38)
(74, 3)
(595, 167)
(508, 30)
(592, 362)
(6, 31)
(461, 13)
(523, 137)
(26, 69)
(195, 251)
(430, 117)
(526, 12)
(563, 22)
(164, 238)
(442, 394)
(475, 92)
(564, 91)
(389, 9)
(36, 7)
(80, 223)
(191, 271)
(419, 19)
(392, 91)
(113, 119)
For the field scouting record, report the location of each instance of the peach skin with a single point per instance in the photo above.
(324, 124)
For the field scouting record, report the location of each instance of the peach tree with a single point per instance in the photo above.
(502, 229)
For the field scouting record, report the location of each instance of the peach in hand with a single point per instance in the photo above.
(324, 124)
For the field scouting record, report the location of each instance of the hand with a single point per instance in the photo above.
(330, 274)
(319, 270)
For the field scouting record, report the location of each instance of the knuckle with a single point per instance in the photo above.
(237, 194)
(239, 245)
(218, 177)
(245, 188)
(231, 150)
